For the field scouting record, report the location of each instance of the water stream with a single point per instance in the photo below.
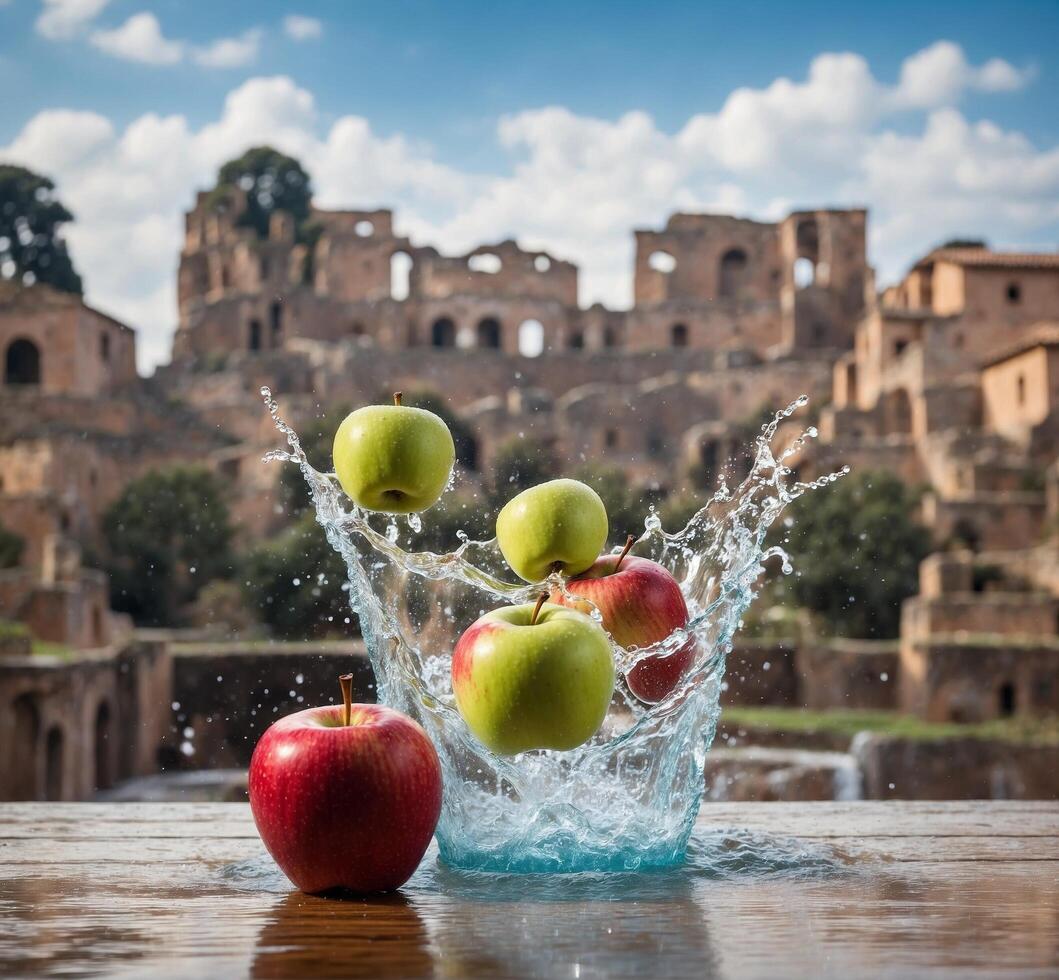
(627, 799)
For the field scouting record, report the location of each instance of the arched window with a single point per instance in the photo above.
(443, 333)
(489, 333)
(103, 749)
(275, 320)
(22, 363)
(1014, 293)
(531, 338)
(678, 335)
(104, 346)
(733, 271)
(400, 275)
(804, 273)
(485, 262)
(900, 419)
(24, 751)
(807, 252)
(1006, 701)
(576, 341)
(610, 336)
(254, 338)
(661, 262)
(53, 764)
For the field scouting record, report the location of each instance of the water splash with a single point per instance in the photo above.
(627, 799)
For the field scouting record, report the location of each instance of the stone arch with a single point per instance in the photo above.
(732, 273)
(98, 625)
(806, 252)
(53, 764)
(104, 773)
(488, 333)
(531, 338)
(659, 261)
(400, 275)
(275, 322)
(678, 335)
(24, 752)
(899, 412)
(22, 363)
(443, 333)
(1007, 701)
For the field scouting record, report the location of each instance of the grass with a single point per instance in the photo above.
(1024, 731)
(42, 648)
(10, 629)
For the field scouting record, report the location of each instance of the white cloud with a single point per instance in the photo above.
(575, 185)
(300, 28)
(63, 19)
(230, 52)
(140, 39)
(939, 74)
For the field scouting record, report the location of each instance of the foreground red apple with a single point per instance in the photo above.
(641, 604)
(346, 796)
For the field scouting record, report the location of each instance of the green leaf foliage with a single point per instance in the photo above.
(31, 248)
(168, 534)
(296, 584)
(856, 551)
(518, 465)
(273, 182)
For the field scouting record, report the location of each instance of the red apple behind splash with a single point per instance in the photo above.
(641, 604)
(346, 796)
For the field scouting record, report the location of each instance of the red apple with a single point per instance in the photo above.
(641, 604)
(346, 796)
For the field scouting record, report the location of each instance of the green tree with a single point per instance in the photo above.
(167, 535)
(856, 550)
(453, 512)
(627, 505)
(273, 182)
(317, 438)
(31, 248)
(296, 582)
(11, 546)
(519, 464)
(462, 434)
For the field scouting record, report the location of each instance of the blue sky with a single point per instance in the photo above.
(562, 124)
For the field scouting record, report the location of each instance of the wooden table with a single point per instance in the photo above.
(894, 889)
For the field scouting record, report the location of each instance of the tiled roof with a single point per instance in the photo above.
(986, 258)
(1041, 335)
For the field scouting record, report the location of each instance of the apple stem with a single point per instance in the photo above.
(346, 683)
(397, 395)
(541, 600)
(629, 542)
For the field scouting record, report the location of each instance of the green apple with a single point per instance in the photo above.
(533, 677)
(560, 525)
(393, 458)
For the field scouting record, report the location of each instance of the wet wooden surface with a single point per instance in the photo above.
(814, 889)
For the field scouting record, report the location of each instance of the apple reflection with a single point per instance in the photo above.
(343, 936)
